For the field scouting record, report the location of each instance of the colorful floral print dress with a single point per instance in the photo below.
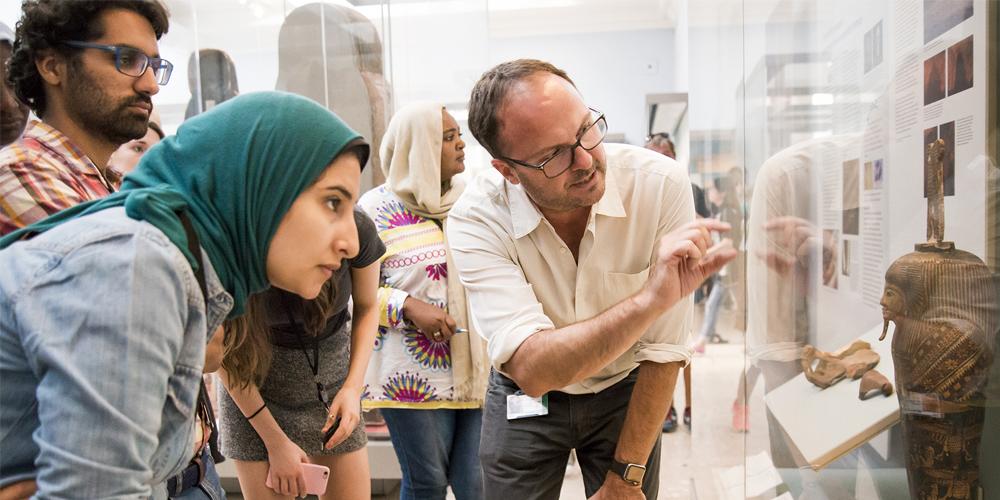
(408, 370)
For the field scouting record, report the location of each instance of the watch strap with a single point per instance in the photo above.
(626, 470)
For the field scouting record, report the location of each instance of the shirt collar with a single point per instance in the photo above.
(219, 302)
(61, 145)
(525, 216)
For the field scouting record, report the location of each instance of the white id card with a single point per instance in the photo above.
(520, 405)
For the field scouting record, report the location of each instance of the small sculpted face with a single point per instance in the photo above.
(893, 306)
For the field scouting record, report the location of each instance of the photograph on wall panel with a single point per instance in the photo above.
(943, 15)
(960, 66)
(934, 78)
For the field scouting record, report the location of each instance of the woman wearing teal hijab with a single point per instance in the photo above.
(103, 322)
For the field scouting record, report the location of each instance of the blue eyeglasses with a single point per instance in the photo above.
(131, 61)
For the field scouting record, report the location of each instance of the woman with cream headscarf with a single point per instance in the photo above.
(428, 372)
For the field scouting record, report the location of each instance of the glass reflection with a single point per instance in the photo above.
(333, 55)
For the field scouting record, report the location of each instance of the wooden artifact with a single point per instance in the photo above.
(944, 305)
(829, 369)
(872, 383)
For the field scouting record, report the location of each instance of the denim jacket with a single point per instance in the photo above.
(102, 343)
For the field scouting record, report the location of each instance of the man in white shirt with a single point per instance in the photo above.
(577, 262)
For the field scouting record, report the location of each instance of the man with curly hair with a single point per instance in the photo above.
(88, 69)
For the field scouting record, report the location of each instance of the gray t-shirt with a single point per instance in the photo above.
(282, 304)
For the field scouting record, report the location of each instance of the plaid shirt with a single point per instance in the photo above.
(42, 173)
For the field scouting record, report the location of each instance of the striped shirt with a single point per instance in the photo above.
(42, 173)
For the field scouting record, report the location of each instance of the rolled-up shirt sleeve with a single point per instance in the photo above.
(503, 303)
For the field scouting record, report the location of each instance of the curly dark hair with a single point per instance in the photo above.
(45, 24)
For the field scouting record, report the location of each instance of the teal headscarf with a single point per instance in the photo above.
(235, 171)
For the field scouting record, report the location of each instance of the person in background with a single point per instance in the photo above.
(578, 260)
(127, 156)
(106, 307)
(661, 143)
(88, 69)
(293, 369)
(731, 212)
(428, 374)
(13, 112)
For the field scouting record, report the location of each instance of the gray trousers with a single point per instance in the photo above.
(525, 459)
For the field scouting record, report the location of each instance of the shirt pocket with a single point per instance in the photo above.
(182, 393)
(618, 286)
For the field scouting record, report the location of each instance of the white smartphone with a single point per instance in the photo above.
(316, 477)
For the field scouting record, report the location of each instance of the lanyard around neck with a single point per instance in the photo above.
(314, 362)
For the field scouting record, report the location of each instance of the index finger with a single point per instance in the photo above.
(448, 330)
(785, 220)
(337, 437)
(713, 225)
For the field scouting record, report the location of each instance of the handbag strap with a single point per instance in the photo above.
(204, 403)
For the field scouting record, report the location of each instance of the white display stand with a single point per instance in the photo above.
(825, 424)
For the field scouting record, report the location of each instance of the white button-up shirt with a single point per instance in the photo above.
(521, 278)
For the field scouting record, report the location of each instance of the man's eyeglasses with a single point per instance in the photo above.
(562, 158)
(131, 61)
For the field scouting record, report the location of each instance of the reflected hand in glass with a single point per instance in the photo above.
(564, 156)
(791, 242)
(131, 61)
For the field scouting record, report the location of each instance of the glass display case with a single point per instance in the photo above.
(856, 142)
(871, 277)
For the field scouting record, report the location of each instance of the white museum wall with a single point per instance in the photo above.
(613, 70)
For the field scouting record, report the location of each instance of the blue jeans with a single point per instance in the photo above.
(712, 307)
(437, 448)
(210, 487)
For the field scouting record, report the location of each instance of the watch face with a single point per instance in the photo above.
(634, 473)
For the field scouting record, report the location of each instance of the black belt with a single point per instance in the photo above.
(191, 476)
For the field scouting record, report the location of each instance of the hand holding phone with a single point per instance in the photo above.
(316, 477)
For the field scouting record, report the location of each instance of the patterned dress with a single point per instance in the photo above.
(407, 370)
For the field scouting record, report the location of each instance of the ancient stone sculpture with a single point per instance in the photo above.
(853, 362)
(872, 383)
(944, 304)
